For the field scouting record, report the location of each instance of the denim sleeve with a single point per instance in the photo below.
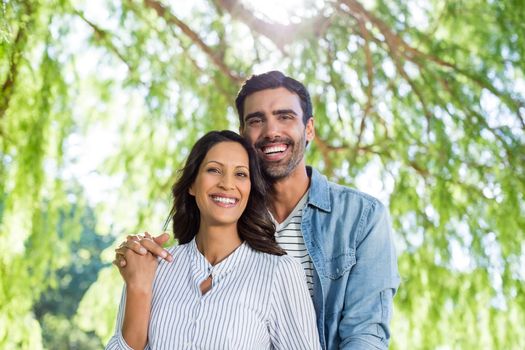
(371, 286)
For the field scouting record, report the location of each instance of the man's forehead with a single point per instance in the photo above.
(272, 99)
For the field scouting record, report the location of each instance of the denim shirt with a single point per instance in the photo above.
(349, 238)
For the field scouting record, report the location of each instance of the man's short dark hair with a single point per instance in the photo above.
(273, 80)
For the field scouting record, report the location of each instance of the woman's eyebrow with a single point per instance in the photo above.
(221, 164)
(213, 161)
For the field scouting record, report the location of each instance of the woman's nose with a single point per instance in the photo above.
(226, 182)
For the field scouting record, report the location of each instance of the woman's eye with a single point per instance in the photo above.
(213, 170)
(242, 174)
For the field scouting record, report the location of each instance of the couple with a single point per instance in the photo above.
(341, 237)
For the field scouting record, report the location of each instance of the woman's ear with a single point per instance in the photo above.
(190, 190)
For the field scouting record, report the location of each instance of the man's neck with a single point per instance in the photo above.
(287, 192)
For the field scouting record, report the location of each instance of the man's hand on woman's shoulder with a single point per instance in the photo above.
(142, 244)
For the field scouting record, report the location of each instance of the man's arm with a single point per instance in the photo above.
(371, 286)
(142, 244)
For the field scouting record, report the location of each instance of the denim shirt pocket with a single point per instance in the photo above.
(337, 265)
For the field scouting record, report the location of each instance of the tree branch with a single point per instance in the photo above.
(393, 42)
(401, 47)
(469, 111)
(419, 169)
(8, 86)
(334, 79)
(324, 146)
(279, 34)
(163, 12)
(369, 67)
(103, 36)
(370, 76)
(225, 93)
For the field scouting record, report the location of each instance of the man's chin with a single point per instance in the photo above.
(275, 173)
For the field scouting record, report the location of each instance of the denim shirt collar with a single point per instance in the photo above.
(319, 190)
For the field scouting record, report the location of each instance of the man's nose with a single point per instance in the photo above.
(272, 129)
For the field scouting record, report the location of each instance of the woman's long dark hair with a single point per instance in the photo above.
(254, 226)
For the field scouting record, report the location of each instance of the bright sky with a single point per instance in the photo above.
(282, 11)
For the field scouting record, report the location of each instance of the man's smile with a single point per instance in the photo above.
(275, 150)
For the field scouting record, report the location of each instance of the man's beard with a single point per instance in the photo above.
(274, 171)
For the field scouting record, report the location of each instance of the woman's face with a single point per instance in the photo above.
(222, 186)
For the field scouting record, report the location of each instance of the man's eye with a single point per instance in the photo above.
(254, 121)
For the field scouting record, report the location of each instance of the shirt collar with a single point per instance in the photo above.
(202, 267)
(319, 190)
(298, 207)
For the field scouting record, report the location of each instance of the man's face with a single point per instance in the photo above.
(273, 124)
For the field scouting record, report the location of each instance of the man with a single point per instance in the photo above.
(342, 237)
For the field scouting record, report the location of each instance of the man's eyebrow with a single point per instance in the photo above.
(254, 115)
(284, 111)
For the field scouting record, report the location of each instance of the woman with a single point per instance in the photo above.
(230, 286)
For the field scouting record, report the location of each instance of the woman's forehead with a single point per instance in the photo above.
(228, 153)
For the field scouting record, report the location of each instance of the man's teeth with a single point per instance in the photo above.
(274, 149)
(224, 200)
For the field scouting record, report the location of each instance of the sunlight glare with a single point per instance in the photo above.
(279, 11)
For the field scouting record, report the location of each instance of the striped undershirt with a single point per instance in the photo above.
(289, 236)
(257, 301)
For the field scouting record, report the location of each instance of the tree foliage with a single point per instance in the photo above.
(59, 303)
(426, 97)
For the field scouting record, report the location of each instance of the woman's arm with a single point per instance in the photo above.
(138, 274)
(134, 312)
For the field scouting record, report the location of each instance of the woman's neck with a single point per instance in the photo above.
(216, 243)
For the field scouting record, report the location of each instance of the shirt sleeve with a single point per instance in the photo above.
(371, 286)
(292, 316)
(117, 341)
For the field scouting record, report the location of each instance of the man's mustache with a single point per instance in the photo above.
(264, 142)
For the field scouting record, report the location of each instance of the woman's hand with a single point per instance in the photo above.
(139, 271)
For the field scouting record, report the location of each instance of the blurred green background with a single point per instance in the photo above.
(420, 103)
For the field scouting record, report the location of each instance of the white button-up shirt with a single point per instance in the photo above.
(257, 301)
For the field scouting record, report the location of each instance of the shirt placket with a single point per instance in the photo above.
(202, 269)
